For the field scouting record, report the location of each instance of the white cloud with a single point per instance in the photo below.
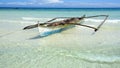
(100, 4)
(32, 2)
(47, 1)
(16, 3)
(53, 1)
(89, 4)
(19, 3)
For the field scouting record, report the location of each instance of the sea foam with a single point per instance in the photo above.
(100, 20)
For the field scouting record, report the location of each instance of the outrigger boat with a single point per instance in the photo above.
(50, 27)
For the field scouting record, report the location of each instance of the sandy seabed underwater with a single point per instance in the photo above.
(76, 47)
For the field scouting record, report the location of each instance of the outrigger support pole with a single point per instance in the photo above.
(95, 28)
(56, 18)
(63, 18)
(106, 16)
(85, 26)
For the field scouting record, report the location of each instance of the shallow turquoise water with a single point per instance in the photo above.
(74, 48)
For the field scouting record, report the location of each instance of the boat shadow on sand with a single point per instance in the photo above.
(46, 34)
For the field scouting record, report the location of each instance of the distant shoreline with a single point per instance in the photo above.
(58, 8)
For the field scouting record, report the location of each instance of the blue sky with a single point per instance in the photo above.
(60, 3)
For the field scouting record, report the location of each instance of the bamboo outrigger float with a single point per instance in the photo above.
(68, 21)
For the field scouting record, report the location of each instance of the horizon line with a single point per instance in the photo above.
(57, 7)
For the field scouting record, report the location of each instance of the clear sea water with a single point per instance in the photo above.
(73, 48)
